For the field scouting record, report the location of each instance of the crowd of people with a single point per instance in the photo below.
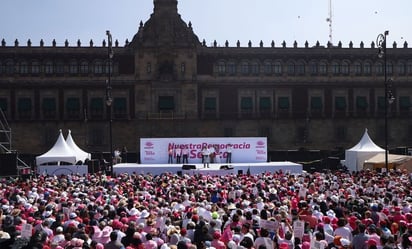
(273, 210)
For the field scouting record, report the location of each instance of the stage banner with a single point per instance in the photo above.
(242, 149)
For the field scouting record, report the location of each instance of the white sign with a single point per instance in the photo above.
(298, 228)
(243, 149)
(26, 231)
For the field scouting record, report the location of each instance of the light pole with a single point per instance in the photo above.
(381, 44)
(109, 99)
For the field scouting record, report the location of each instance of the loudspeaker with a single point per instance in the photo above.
(188, 166)
(8, 164)
(226, 167)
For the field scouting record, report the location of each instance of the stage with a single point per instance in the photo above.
(214, 168)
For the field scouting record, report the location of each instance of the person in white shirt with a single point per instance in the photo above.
(178, 152)
(185, 153)
(205, 156)
(229, 153)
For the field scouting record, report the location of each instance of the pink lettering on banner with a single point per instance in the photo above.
(149, 153)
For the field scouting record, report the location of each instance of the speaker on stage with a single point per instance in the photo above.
(226, 167)
(188, 166)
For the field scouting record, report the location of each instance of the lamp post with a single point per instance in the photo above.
(109, 99)
(381, 44)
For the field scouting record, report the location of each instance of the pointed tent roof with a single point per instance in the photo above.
(366, 144)
(79, 153)
(60, 152)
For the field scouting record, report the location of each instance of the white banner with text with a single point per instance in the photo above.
(242, 149)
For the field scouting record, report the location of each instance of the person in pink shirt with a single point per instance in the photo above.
(150, 243)
(216, 242)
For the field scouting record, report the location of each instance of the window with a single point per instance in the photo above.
(24, 108)
(345, 68)
(389, 68)
(84, 67)
(409, 68)
(244, 67)
(96, 107)
(379, 69)
(221, 67)
(361, 103)
(264, 104)
(300, 68)
(283, 103)
(404, 103)
(60, 67)
(120, 107)
(381, 103)
(48, 67)
(323, 68)
(254, 68)
(10, 69)
(367, 68)
(210, 104)
(35, 67)
(267, 67)
(166, 103)
(246, 104)
(73, 69)
(335, 68)
(98, 67)
(358, 68)
(291, 68)
(340, 103)
(316, 103)
(313, 68)
(401, 69)
(278, 68)
(73, 107)
(231, 68)
(49, 107)
(24, 67)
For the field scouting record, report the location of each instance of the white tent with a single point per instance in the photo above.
(358, 154)
(79, 153)
(60, 152)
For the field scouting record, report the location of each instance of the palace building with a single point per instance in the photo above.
(166, 82)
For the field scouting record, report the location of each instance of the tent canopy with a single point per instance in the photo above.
(358, 154)
(60, 152)
(394, 161)
(78, 153)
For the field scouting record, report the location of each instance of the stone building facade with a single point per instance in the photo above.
(165, 82)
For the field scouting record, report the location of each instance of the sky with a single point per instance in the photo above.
(220, 20)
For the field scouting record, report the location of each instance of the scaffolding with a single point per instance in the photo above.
(6, 144)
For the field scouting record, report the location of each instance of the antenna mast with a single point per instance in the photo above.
(329, 20)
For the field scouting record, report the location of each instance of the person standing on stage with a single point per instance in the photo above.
(205, 156)
(212, 154)
(178, 153)
(229, 153)
(170, 154)
(185, 153)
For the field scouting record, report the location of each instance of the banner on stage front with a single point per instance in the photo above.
(242, 149)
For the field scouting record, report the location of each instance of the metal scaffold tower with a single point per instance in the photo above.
(6, 145)
(5, 133)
